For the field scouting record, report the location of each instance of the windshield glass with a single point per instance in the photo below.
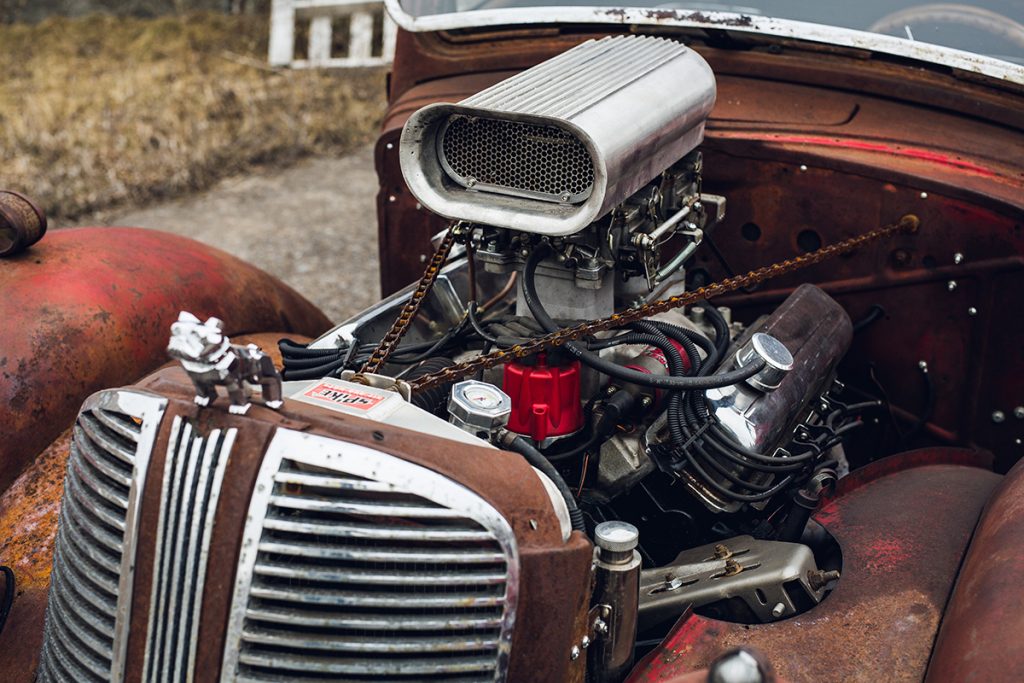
(994, 28)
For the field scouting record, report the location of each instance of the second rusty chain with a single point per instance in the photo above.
(907, 224)
(390, 341)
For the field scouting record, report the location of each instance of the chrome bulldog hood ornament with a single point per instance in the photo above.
(211, 360)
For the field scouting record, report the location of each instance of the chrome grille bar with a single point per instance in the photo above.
(360, 565)
(193, 475)
(91, 585)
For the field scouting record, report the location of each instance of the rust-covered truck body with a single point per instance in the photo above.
(711, 368)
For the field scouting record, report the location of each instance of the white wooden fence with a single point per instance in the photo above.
(323, 17)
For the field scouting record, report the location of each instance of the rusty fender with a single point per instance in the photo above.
(88, 308)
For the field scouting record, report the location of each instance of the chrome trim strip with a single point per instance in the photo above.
(730, 22)
(348, 459)
(193, 475)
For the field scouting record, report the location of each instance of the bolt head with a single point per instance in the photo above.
(958, 258)
(585, 642)
(972, 311)
(738, 666)
(924, 195)
(574, 653)
(1018, 412)
(998, 416)
(803, 168)
(923, 365)
(600, 627)
(951, 285)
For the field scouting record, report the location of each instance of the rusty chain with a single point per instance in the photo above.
(390, 341)
(907, 224)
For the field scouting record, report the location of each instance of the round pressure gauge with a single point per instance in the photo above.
(484, 396)
(478, 406)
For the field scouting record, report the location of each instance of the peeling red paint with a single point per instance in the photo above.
(89, 308)
(884, 148)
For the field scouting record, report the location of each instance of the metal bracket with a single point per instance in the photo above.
(770, 577)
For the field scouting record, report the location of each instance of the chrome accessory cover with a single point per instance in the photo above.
(558, 146)
(94, 559)
(357, 564)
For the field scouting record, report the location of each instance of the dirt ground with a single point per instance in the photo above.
(313, 225)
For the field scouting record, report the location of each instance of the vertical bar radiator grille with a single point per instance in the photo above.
(193, 474)
(357, 577)
(85, 616)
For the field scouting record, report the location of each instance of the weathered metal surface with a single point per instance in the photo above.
(980, 635)
(903, 528)
(540, 643)
(28, 527)
(90, 308)
(811, 150)
(740, 27)
(22, 223)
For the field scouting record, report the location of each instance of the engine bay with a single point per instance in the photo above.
(707, 437)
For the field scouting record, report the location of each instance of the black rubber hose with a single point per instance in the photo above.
(471, 312)
(874, 314)
(607, 367)
(290, 347)
(717, 320)
(537, 459)
(435, 399)
(312, 373)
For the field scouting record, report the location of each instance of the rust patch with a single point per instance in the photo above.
(22, 223)
(902, 537)
(980, 635)
(28, 527)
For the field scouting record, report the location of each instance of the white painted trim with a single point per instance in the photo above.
(729, 21)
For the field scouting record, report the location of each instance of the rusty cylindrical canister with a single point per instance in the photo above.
(22, 223)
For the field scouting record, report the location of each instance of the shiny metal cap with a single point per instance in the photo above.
(616, 537)
(479, 406)
(778, 360)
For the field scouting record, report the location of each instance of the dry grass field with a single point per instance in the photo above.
(101, 112)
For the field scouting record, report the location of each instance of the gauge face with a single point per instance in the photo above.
(482, 396)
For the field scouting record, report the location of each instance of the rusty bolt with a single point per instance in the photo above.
(732, 568)
(900, 257)
(22, 223)
(722, 552)
(819, 578)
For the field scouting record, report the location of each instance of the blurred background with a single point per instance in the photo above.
(165, 114)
